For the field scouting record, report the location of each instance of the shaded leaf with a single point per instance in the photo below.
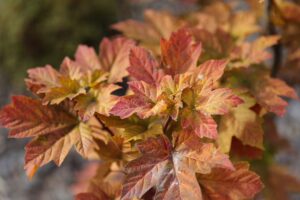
(244, 124)
(226, 184)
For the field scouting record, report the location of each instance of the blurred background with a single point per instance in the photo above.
(38, 32)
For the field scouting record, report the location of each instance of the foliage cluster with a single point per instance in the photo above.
(197, 105)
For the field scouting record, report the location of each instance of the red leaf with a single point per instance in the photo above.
(144, 67)
(27, 117)
(128, 105)
(179, 54)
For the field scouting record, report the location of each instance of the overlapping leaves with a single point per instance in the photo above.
(177, 88)
(171, 169)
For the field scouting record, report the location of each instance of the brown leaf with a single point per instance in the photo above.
(170, 170)
(224, 184)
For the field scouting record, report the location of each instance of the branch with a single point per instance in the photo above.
(104, 127)
(277, 48)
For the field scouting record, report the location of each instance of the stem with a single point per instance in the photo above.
(277, 48)
(167, 125)
(104, 127)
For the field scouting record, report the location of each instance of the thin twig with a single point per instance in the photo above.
(277, 48)
(104, 127)
(167, 125)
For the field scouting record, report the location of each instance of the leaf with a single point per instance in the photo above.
(42, 78)
(83, 139)
(139, 31)
(244, 124)
(55, 131)
(179, 54)
(268, 92)
(157, 24)
(144, 67)
(212, 69)
(218, 101)
(101, 100)
(163, 22)
(133, 128)
(46, 148)
(215, 45)
(170, 170)
(224, 184)
(114, 57)
(144, 102)
(117, 148)
(202, 125)
(100, 180)
(27, 117)
(244, 24)
(55, 146)
(252, 53)
(128, 105)
(67, 89)
(87, 58)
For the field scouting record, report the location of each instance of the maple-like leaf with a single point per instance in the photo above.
(268, 92)
(202, 99)
(157, 25)
(86, 58)
(144, 102)
(41, 77)
(218, 101)
(114, 57)
(133, 128)
(150, 100)
(243, 123)
(144, 67)
(212, 69)
(179, 54)
(201, 124)
(100, 100)
(224, 184)
(117, 148)
(215, 45)
(171, 170)
(55, 131)
(26, 117)
(85, 74)
(252, 53)
(67, 89)
(55, 147)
